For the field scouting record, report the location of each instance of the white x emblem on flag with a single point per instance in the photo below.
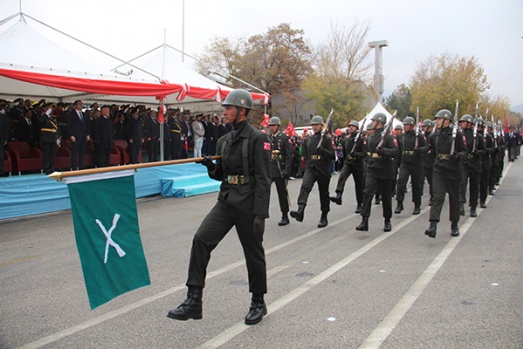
(110, 241)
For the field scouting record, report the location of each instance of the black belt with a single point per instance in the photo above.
(237, 179)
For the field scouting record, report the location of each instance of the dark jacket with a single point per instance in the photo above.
(445, 165)
(104, 132)
(381, 166)
(409, 154)
(252, 197)
(473, 160)
(49, 129)
(354, 155)
(318, 159)
(281, 156)
(80, 129)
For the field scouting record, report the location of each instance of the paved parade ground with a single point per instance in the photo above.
(328, 288)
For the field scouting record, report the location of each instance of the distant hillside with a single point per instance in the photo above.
(517, 108)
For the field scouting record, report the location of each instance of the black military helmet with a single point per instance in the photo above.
(355, 124)
(481, 122)
(409, 120)
(427, 122)
(467, 118)
(275, 121)
(239, 98)
(317, 120)
(445, 114)
(398, 127)
(379, 117)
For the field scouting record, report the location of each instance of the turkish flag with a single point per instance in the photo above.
(290, 131)
(265, 121)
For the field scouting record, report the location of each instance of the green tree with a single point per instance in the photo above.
(400, 100)
(340, 78)
(442, 80)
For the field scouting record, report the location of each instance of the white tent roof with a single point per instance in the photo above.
(379, 108)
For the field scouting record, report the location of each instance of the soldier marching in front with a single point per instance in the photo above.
(446, 177)
(354, 153)
(318, 153)
(380, 171)
(411, 145)
(472, 164)
(281, 165)
(243, 202)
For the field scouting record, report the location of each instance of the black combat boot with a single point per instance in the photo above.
(431, 231)
(284, 219)
(257, 310)
(454, 230)
(482, 204)
(473, 212)
(336, 199)
(461, 209)
(364, 225)
(191, 308)
(323, 221)
(358, 209)
(378, 200)
(399, 208)
(417, 209)
(387, 226)
(298, 215)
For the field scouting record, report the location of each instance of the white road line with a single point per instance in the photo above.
(121, 311)
(385, 328)
(235, 330)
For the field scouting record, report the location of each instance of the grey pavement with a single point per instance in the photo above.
(328, 288)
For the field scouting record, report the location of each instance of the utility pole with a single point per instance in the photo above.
(378, 67)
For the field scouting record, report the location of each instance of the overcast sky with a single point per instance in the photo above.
(491, 31)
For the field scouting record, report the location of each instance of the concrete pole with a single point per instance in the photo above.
(378, 67)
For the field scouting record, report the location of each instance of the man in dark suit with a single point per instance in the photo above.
(104, 137)
(152, 134)
(134, 136)
(513, 141)
(79, 132)
(24, 128)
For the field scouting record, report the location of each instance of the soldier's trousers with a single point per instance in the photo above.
(415, 173)
(283, 194)
(309, 177)
(373, 185)
(213, 229)
(470, 178)
(427, 173)
(442, 186)
(357, 174)
(483, 185)
(493, 177)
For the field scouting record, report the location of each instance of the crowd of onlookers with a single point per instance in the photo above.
(94, 130)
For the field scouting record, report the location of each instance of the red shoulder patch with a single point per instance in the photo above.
(266, 146)
(395, 142)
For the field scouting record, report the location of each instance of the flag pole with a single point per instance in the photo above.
(61, 175)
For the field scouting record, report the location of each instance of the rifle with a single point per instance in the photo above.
(325, 129)
(387, 130)
(475, 135)
(495, 131)
(455, 129)
(416, 142)
(485, 131)
(358, 134)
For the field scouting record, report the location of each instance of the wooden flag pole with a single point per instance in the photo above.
(61, 175)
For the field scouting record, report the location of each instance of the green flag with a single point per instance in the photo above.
(107, 234)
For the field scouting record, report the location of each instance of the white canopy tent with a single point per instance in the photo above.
(379, 108)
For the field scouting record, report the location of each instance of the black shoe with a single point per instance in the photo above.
(399, 208)
(417, 210)
(364, 225)
(191, 308)
(284, 221)
(323, 222)
(336, 199)
(454, 230)
(377, 201)
(387, 227)
(358, 209)
(298, 215)
(256, 312)
(432, 230)
(473, 212)
(461, 209)
(482, 204)
(491, 192)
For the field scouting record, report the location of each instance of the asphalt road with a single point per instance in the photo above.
(328, 288)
